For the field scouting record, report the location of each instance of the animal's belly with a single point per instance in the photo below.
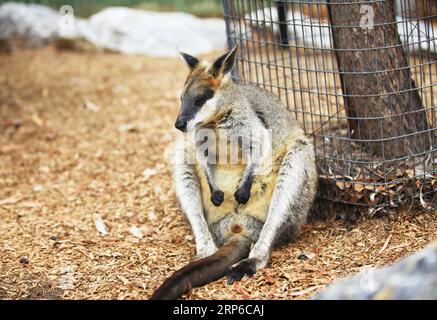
(228, 178)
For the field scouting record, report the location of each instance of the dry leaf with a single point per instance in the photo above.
(423, 203)
(149, 172)
(116, 254)
(246, 295)
(305, 291)
(44, 169)
(9, 148)
(372, 196)
(100, 226)
(123, 279)
(37, 120)
(91, 106)
(135, 231)
(358, 187)
(152, 216)
(11, 200)
(30, 204)
(387, 241)
(130, 127)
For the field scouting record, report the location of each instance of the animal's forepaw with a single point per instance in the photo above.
(242, 195)
(217, 197)
(243, 268)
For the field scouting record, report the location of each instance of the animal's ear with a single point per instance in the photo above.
(225, 63)
(191, 61)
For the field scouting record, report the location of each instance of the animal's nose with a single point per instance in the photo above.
(181, 124)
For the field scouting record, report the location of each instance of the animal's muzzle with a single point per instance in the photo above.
(181, 124)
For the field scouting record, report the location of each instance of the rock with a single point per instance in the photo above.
(155, 33)
(414, 277)
(30, 25)
(118, 29)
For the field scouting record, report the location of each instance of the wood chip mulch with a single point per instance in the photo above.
(87, 207)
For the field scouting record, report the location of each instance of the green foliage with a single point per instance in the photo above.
(203, 8)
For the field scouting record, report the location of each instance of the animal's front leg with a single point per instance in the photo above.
(217, 196)
(242, 195)
(188, 193)
(291, 200)
(251, 148)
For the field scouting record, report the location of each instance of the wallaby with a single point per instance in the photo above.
(237, 216)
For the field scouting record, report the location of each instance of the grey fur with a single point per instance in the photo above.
(240, 110)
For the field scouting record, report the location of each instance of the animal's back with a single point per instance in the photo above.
(273, 114)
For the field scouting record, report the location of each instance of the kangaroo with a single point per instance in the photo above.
(237, 215)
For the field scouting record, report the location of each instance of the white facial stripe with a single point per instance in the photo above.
(206, 113)
(226, 79)
(204, 64)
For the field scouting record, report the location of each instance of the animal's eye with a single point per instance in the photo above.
(209, 94)
(199, 101)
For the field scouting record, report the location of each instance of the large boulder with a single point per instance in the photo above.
(156, 33)
(414, 277)
(117, 29)
(33, 25)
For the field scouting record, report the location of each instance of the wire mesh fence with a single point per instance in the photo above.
(360, 77)
(85, 8)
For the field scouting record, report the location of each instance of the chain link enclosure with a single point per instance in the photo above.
(361, 78)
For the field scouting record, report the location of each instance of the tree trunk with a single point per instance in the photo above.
(376, 80)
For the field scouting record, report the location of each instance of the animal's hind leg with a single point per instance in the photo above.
(291, 200)
(189, 196)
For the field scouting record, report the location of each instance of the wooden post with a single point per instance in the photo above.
(380, 96)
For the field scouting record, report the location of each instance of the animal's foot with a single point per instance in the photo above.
(217, 197)
(246, 267)
(242, 195)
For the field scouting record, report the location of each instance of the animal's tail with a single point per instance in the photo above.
(203, 271)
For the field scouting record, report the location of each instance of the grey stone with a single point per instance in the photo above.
(414, 277)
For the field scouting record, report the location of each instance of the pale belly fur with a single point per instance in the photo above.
(228, 177)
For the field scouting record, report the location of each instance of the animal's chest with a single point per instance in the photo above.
(228, 178)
